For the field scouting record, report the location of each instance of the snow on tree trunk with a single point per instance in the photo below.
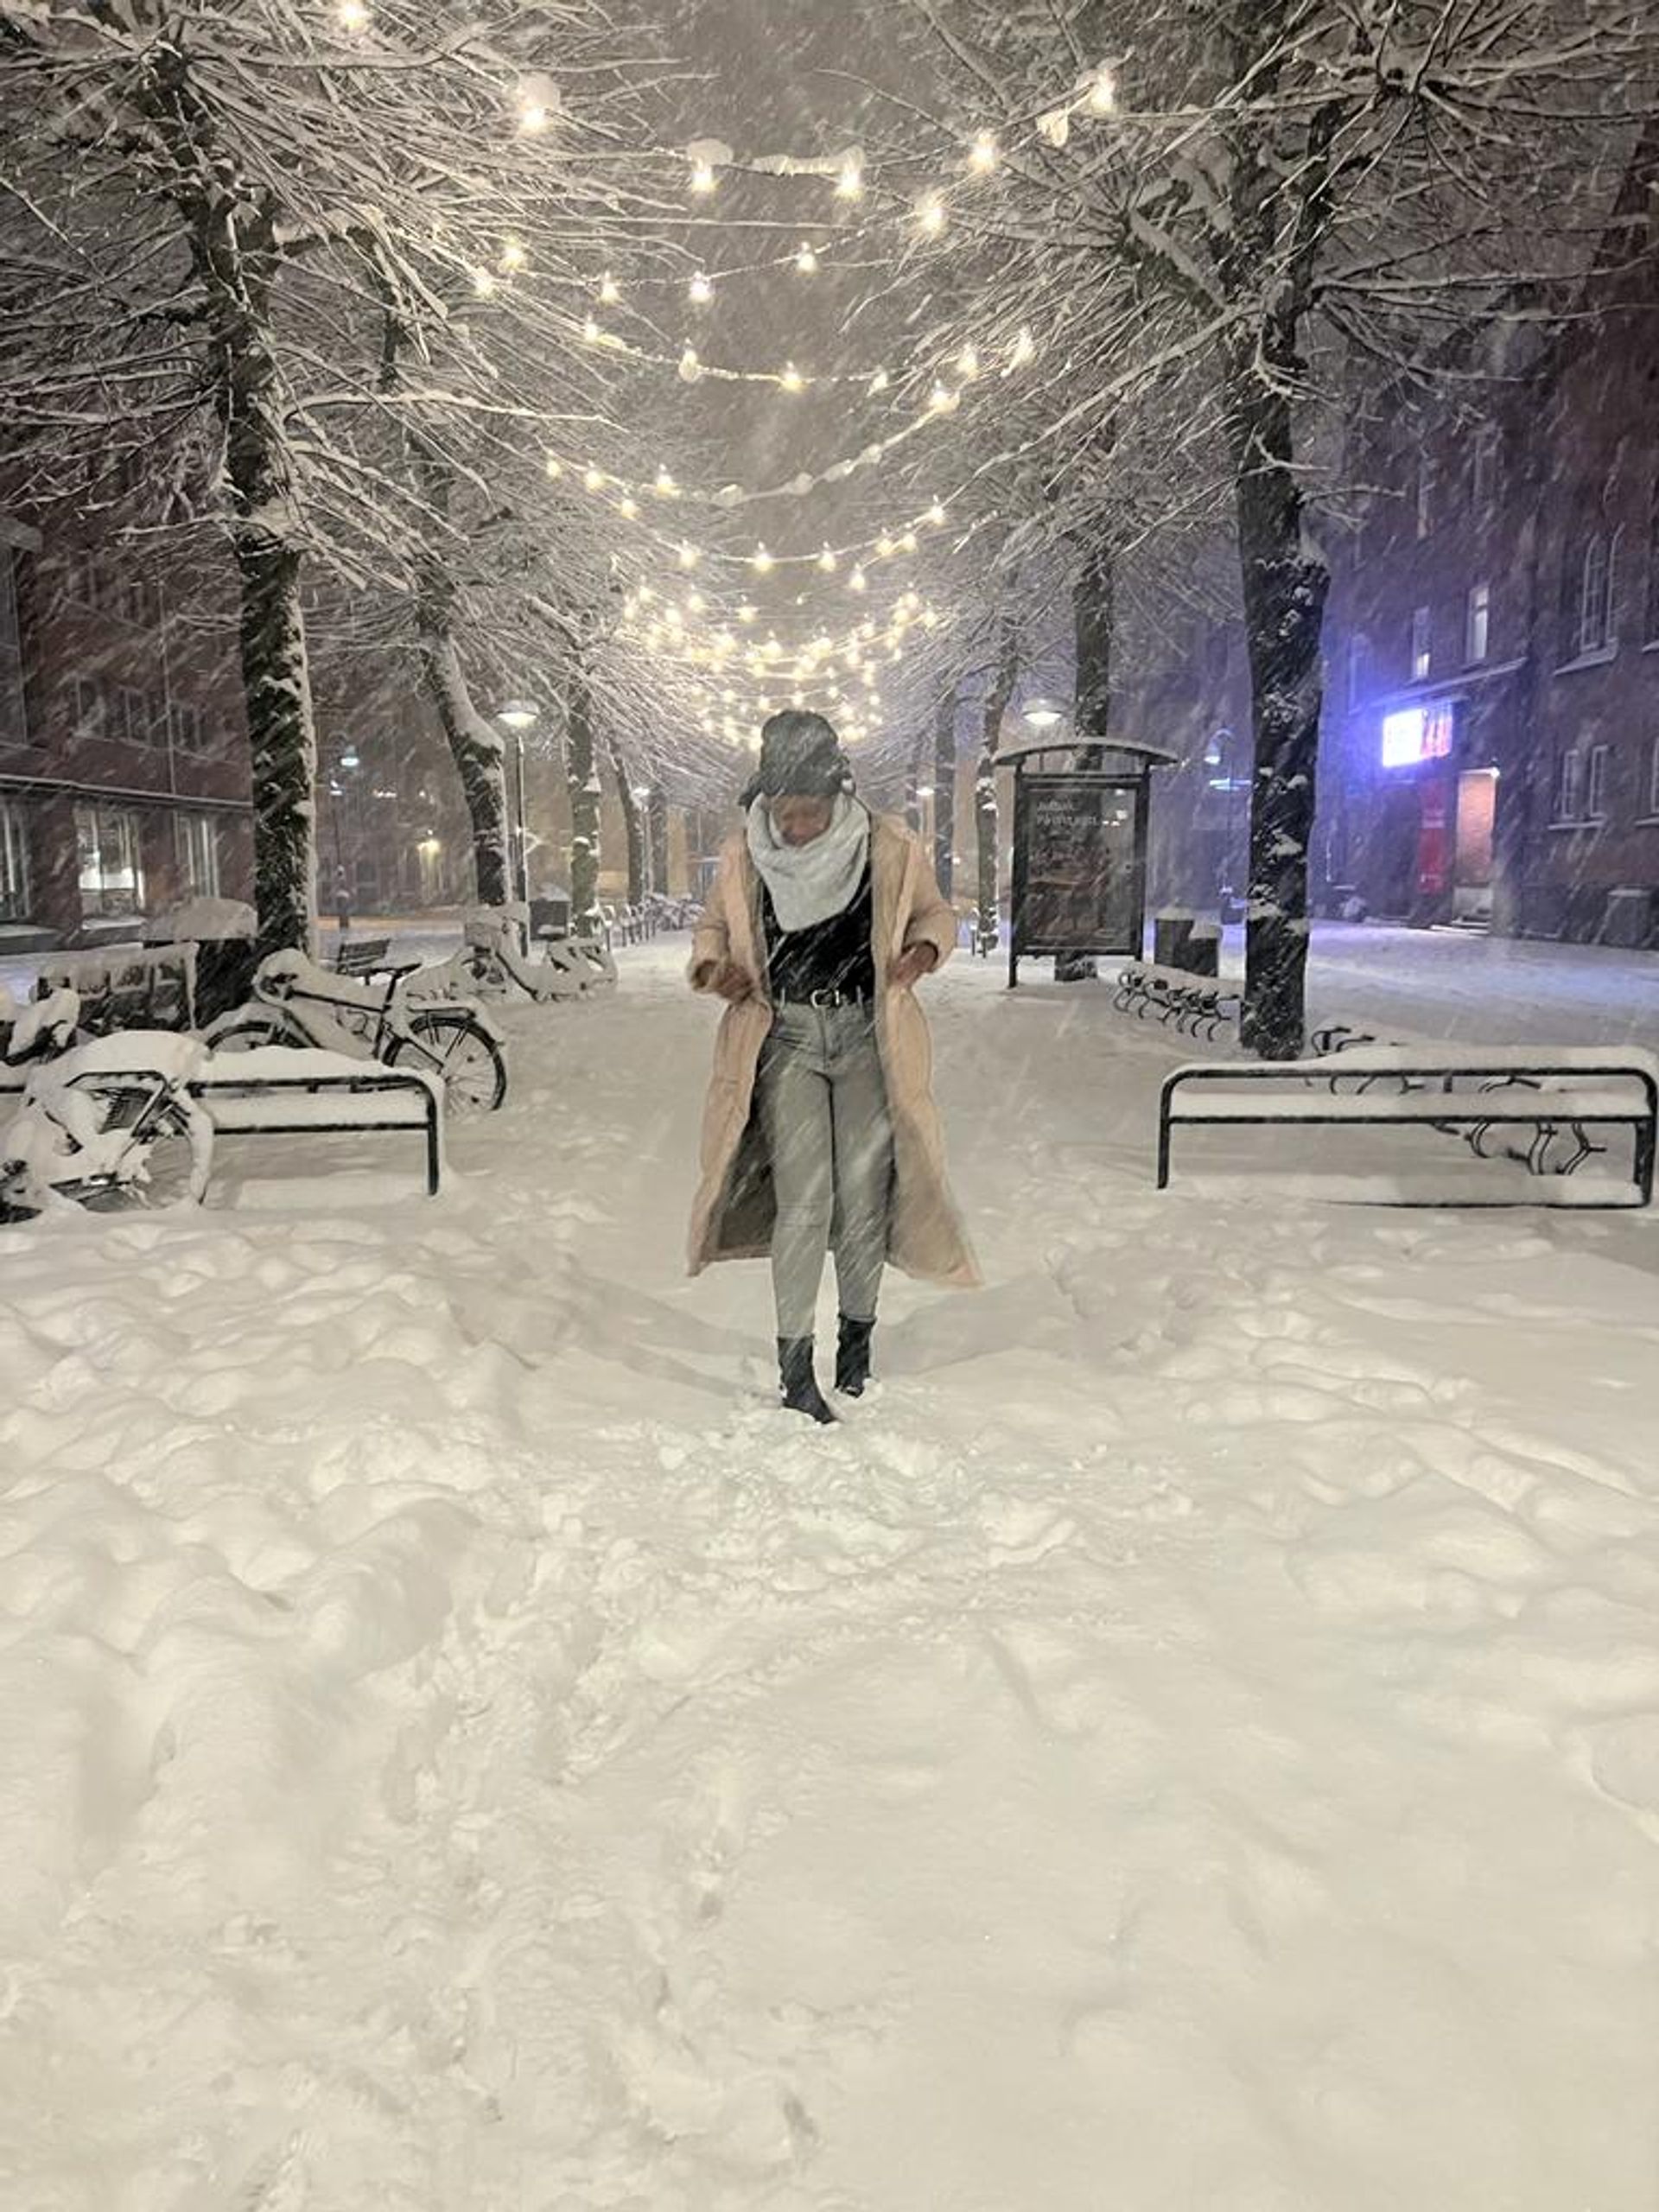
(985, 817)
(1285, 582)
(944, 792)
(1094, 625)
(477, 750)
(238, 262)
(584, 807)
(634, 827)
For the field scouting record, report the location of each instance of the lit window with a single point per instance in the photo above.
(1422, 633)
(1569, 787)
(1476, 623)
(197, 848)
(110, 876)
(13, 864)
(1595, 791)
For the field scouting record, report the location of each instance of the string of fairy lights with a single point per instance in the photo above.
(744, 675)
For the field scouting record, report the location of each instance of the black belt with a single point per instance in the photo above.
(821, 999)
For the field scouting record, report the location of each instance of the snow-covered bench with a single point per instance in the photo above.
(149, 988)
(1558, 1093)
(1196, 1005)
(277, 1091)
(365, 955)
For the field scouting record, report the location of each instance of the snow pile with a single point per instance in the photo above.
(1190, 1739)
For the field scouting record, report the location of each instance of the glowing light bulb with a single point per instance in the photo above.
(533, 118)
(555, 466)
(982, 154)
(701, 288)
(930, 214)
(1025, 350)
(696, 603)
(512, 256)
(690, 367)
(850, 179)
(760, 561)
(593, 479)
(702, 177)
(629, 506)
(806, 260)
(941, 400)
(879, 381)
(884, 548)
(689, 556)
(967, 363)
(483, 283)
(353, 16)
(791, 379)
(746, 612)
(1102, 96)
(936, 515)
(857, 581)
(907, 542)
(666, 487)
(827, 562)
(609, 291)
(591, 331)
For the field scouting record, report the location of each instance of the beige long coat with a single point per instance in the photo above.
(732, 1217)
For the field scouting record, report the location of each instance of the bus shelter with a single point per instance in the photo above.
(1080, 820)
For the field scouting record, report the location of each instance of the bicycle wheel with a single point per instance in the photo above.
(168, 1162)
(467, 1057)
(245, 1033)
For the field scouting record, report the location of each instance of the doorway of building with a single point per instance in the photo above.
(1471, 880)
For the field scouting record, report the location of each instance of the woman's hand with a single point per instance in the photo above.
(912, 965)
(731, 983)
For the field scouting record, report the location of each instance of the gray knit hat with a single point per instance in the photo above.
(799, 751)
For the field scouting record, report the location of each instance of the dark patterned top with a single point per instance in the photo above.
(830, 956)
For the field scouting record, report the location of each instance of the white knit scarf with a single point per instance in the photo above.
(809, 883)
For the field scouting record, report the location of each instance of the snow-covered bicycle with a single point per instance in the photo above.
(297, 1002)
(106, 1123)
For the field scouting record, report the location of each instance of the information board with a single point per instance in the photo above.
(1079, 864)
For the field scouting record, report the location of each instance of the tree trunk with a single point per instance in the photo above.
(635, 826)
(277, 693)
(585, 795)
(237, 261)
(987, 923)
(476, 747)
(944, 792)
(657, 835)
(1285, 582)
(1094, 625)
(1094, 614)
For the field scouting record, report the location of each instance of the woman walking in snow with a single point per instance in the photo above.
(820, 1130)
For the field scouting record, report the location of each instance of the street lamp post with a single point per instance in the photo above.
(516, 717)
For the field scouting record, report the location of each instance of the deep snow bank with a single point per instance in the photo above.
(1190, 1740)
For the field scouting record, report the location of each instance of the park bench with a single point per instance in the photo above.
(1485, 1093)
(1198, 1006)
(364, 955)
(152, 986)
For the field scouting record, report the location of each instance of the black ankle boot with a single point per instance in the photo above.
(853, 1356)
(799, 1380)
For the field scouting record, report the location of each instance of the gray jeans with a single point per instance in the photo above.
(823, 1109)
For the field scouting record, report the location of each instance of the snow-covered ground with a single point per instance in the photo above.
(1190, 1739)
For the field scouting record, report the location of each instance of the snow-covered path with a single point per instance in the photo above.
(1190, 1740)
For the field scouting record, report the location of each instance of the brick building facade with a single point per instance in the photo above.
(124, 757)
